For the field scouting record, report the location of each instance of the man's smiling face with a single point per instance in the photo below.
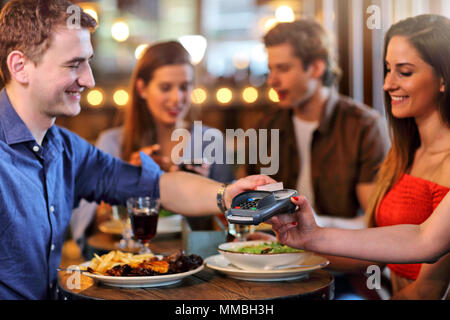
(63, 72)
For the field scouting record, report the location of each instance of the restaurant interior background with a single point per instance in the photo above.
(224, 38)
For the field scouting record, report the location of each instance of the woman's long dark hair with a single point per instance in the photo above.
(430, 35)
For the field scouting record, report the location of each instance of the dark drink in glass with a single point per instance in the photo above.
(144, 226)
(143, 212)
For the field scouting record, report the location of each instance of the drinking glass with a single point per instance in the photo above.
(143, 212)
(120, 214)
(240, 231)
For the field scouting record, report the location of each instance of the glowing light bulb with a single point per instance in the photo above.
(121, 97)
(198, 96)
(92, 12)
(273, 95)
(120, 31)
(195, 45)
(95, 97)
(250, 95)
(224, 95)
(284, 14)
(140, 50)
(269, 24)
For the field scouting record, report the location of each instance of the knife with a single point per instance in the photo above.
(71, 270)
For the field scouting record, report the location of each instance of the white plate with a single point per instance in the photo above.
(170, 224)
(141, 282)
(220, 263)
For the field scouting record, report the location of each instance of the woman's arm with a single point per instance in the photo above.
(395, 244)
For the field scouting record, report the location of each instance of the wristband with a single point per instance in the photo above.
(221, 198)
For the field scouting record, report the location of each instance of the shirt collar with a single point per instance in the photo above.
(53, 138)
(15, 130)
(328, 111)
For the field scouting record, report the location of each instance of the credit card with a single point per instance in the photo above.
(271, 187)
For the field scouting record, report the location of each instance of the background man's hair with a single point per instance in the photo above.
(310, 41)
(27, 26)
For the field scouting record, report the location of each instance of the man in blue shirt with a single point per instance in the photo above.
(45, 170)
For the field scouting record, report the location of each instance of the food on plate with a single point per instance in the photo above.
(117, 258)
(266, 248)
(148, 268)
(121, 264)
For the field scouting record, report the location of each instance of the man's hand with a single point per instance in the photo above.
(245, 184)
(295, 230)
(193, 195)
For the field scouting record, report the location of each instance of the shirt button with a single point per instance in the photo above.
(36, 148)
(52, 209)
(52, 247)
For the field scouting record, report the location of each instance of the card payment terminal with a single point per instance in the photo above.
(254, 207)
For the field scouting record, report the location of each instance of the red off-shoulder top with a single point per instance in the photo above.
(410, 201)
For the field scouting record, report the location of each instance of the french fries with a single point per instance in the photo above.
(101, 264)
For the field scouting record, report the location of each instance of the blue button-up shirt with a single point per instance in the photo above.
(39, 187)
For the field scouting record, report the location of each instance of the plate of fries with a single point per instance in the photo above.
(104, 269)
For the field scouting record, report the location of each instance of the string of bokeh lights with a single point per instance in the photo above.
(196, 45)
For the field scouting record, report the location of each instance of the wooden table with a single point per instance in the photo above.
(205, 285)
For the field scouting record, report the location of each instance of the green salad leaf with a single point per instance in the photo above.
(267, 248)
(165, 213)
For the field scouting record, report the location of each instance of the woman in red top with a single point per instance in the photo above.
(415, 176)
